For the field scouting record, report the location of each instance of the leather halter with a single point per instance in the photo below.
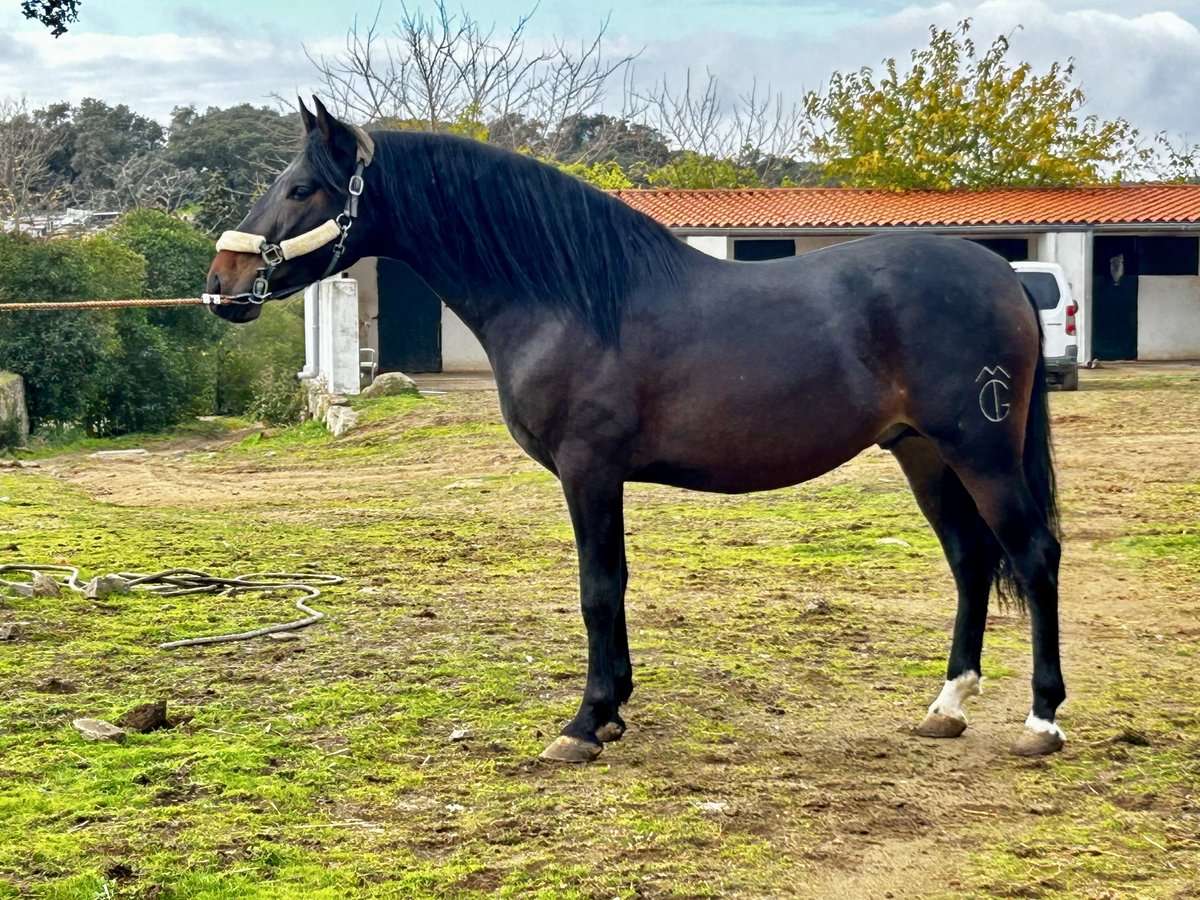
(335, 229)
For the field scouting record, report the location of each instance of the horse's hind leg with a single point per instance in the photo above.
(1007, 505)
(973, 554)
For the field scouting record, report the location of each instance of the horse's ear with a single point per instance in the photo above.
(337, 136)
(309, 120)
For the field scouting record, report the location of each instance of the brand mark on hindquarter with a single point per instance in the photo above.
(993, 396)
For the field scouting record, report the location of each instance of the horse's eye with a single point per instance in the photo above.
(301, 192)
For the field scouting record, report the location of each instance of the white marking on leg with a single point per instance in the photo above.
(954, 693)
(1042, 726)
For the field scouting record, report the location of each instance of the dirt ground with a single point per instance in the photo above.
(770, 750)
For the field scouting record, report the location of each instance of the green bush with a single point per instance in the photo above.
(278, 397)
(177, 259)
(64, 356)
(275, 340)
(110, 371)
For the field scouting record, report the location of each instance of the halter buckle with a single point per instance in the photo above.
(356, 185)
(272, 254)
(260, 288)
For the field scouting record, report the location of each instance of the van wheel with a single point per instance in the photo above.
(1070, 380)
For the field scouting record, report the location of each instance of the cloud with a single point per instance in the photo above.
(1142, 65)
(152, 73)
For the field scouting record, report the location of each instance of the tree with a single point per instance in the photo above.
(696, 170)
(27, 183)
(747, 141)
(54, 14)
(442, 68)
(101, 139)
(236, 152)
(961, 118)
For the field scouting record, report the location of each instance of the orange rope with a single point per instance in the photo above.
(99, 304)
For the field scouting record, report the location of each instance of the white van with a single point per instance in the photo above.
(1047, 284)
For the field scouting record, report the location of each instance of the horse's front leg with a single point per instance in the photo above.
(623, 668)
(598, 521)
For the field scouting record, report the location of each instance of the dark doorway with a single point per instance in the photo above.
(1114, 297)
(1012, 249)
(410, 321)
(760, 251)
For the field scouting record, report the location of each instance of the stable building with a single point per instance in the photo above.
(1130, 252)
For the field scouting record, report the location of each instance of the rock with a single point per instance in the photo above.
(103, 585)
(340, 419)
(894, 542)
(99, 730)
(45, 586)
(10, 632)
(146, 717)
(390, 384)
(459, 734)
(14, 417)
(284, 636)
(714, 808)
(120, 454)
(20, 589)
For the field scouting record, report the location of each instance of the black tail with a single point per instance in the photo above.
(1038, 461)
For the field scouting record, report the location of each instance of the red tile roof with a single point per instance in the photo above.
(1131, 204)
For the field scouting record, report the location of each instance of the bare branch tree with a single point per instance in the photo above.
(446, 71)
(27, 183)
(147, 180)
(757, 129)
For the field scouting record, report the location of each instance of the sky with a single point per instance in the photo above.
(1139, 59)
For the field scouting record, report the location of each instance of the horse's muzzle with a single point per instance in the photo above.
(230, 274)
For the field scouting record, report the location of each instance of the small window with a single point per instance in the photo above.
(1168, 255)
(757, 251)
(1012, 249)
(1044, 288)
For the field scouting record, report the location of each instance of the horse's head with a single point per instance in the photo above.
(304, 228)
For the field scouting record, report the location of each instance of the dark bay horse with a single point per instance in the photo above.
(622, 354)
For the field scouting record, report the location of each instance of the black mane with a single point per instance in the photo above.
(478, 214)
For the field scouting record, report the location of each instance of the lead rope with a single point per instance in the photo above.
(175, 582)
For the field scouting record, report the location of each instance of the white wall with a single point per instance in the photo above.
(331, 318)
(718, 245)
(1168, 317)
(461, 350)
(1073, 251)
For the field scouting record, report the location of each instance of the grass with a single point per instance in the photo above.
(767, 755)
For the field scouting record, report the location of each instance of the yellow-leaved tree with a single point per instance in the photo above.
(961, 118)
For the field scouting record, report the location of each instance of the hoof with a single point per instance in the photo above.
(606, 734)
(1037, 743)
(571, 750)
(935, 725)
